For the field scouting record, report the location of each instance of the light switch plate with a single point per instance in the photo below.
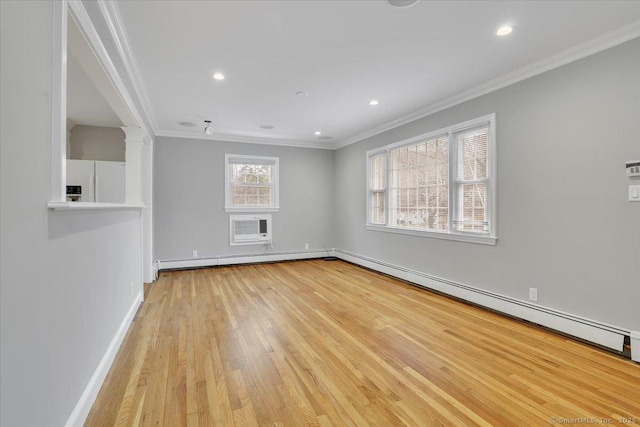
(634, 193)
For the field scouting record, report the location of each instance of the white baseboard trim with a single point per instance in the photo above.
(635, 346)
(587, 329)
(239, 259)
(81, 411)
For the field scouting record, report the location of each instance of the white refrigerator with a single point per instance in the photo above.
(110, 182)
(99, 181)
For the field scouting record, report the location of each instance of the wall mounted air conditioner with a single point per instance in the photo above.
(249, 229)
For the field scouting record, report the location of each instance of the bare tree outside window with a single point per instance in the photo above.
(419, 185)
(251, 184)
(440, 184)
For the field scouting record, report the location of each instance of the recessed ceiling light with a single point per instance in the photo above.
(187, 124)
(402, 3)
(373, 102)
(325, 137)
(302, 92)
(267, 127)
(317, 133)
(218, 76)
(503, 31)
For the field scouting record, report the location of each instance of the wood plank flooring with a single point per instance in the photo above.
(327, 343)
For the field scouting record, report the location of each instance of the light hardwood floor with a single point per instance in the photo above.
(328, 343)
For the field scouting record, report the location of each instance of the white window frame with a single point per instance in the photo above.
(489, 238)
(275, 184)
(371, 191)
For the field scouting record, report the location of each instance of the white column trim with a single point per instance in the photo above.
(134, 140)
(59, 104)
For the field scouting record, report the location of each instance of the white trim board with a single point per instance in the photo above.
(81, 411)
(246, 139)
(240, 259)
(590, 330)
(111, 14)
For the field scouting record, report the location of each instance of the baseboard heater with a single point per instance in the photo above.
(609, 336)
(164, 265)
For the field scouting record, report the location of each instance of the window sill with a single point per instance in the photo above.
(252, 209)
(92, 206)
(459, 237)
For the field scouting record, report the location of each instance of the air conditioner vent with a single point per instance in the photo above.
(245, 227)
(249, 229)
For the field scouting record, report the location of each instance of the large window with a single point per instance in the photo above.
(441, 184)
(251, 183)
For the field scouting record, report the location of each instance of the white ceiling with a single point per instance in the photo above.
(343, 53)
(85, 105)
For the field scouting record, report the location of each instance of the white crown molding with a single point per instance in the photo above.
(112, 17)
(111, 14)
(591, 47)
(247, 140)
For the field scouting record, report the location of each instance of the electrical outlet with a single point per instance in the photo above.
(306, 246)
(195, 253)
(533, 294)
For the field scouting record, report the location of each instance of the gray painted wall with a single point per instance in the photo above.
(564, 223)
(189, 198)
(64, 276)
(97, 143)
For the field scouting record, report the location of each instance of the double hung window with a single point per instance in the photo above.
(251, 183)
(440, 184)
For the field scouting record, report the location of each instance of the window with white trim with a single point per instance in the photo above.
(378, 179)
(441, 184)
(251, 183)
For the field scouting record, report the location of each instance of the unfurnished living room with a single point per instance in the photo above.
(322, 213)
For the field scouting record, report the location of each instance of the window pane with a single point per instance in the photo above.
(264, 200)
(251, 181)
(419, 176)
(472, 209)
(378, 173)
(377, 208)
(472, 154)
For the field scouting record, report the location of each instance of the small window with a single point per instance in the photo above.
(377, 189)
(472, 179)
(251, 183)
(440, 184)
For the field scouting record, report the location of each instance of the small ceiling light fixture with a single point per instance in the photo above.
(503, 31)
(218, 76)
(317, 133)
(373, 102)
(267, 127)
(208, 129)
(302, 92)
(402, 3)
